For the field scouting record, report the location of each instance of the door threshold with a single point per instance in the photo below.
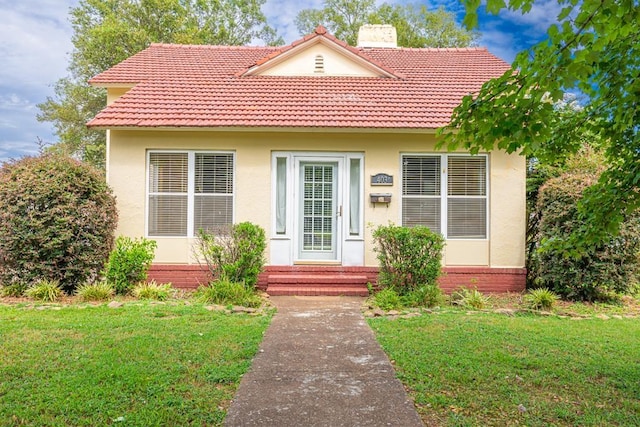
(310, 262)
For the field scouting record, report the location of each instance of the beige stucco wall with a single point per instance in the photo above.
(127, 157)
(114, 93)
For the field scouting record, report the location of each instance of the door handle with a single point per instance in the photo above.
(339, 213)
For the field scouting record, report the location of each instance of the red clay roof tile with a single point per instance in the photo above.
(201, 86)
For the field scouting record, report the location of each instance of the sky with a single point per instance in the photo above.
(35, 43)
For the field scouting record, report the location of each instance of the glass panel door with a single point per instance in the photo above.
(319, 212)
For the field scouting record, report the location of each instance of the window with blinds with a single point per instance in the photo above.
(466, 197)
(189, 191)
(447, 193)
(421, 192)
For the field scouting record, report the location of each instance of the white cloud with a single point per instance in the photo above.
(500, 44)
(282, 14)
(35, 39)
(543, 14)
(14, 101)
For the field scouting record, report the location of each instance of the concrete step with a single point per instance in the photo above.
(318, 279)
(315, 290)
(317, 283)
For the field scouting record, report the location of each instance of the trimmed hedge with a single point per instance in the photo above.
(409, 257)
(57, 221)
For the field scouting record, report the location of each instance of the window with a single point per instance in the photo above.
(354, 197)
(447, 193)
(281, 195)
(189, 191)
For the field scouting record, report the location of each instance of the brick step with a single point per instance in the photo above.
(311, 290)
(317, 279)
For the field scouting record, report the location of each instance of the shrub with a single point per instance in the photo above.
(540, 299)
(99, 291)
(15, 289)
(226, 292)
(409, 257)
(44, 290)
(424, 296)
(387, 299)
(593, 274)
(57, 218)
(153, 291)
(129, 262)
(469, 298)
(233, 252)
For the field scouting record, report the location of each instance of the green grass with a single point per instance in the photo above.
(138, 365)
(475, 370)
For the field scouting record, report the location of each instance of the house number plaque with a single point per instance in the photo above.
(381, 179)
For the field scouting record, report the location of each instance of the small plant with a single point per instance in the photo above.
(44, 290)
(235, 252)
(387, 299)
(227, 292)
(469, 298)
(15, 289)
(424, 296)
(409, 257)
(153, 291)
(541, 299)
(129, 262)
(99, 291)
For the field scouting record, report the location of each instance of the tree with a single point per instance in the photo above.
(107, 32)
(416, 25)
(593, 50)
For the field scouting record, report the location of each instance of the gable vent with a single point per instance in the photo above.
(319, 64)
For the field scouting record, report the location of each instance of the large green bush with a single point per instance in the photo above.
(409, 257)
(129, 263)
(57, 219)
(235, 252)
(594, 273)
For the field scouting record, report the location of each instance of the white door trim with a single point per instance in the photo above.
(285, 243)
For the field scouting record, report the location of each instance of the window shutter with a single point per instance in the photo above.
(168, 198)
(467, 197)
(213, 199)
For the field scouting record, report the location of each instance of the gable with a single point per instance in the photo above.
(319, 54)
(318, 59)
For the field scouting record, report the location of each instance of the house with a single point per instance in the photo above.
(317, 142)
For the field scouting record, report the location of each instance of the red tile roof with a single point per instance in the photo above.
(204, 86)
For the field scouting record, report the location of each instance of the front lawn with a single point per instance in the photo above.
(488, 369)
(141, 364)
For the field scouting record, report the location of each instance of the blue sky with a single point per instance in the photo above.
(35, 41)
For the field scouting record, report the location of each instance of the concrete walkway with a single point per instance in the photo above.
(320, 365)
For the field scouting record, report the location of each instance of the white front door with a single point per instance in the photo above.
(319, 208)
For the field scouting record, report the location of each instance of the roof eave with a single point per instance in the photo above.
(300, 129)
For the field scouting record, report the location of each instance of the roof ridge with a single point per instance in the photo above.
(428, 49)
(210, 46)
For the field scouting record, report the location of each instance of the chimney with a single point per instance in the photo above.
(378, 35)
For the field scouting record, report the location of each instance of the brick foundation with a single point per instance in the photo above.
(486, 279)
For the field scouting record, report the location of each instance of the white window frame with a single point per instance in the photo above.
(443, 197)
(191, 172)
